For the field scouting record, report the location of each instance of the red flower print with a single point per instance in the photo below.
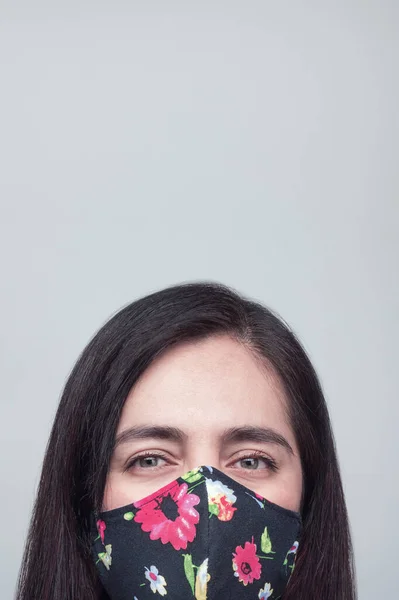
(226, 509)
(170, 516)
(293, 548)
(221, 499)
(246, 564)
(101, 527)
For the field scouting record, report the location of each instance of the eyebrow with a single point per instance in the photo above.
(233, 435)
(264, 435)
(172, 434)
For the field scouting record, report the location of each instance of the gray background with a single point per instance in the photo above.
(256, 143)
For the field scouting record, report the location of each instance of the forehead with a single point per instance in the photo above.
(207, 386)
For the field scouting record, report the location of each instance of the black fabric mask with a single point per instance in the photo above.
(203, 536)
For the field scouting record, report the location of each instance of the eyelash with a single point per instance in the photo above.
(146, 455)
(270, 462)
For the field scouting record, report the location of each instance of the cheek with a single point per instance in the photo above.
(117, 492)
(285, 490)
(290, 499)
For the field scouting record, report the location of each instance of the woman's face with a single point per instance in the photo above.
(205, 403)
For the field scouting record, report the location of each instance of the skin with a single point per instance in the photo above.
(205, 389)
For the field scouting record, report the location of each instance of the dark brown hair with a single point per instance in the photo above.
(57, 562)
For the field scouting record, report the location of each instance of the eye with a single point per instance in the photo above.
(257, 463)
(249, 463)
(147, 461)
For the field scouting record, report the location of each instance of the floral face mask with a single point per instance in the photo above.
(203, 536)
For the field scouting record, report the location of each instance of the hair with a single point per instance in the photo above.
(57, 561)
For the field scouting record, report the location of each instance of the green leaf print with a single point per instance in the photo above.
(192, 476)
(189, 570)
(265, 542)
(213, 509)
(105, 557)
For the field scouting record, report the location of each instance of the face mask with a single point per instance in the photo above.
(203, 536)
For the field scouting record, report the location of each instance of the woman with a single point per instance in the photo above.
(191, 457)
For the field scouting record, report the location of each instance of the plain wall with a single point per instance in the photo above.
(255, 143)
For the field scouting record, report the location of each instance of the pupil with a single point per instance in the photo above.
(169, 508)
(148, 462)
(251, 463)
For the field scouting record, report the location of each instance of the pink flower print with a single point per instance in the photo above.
(101, 527)
(178, 529)
(246, 564)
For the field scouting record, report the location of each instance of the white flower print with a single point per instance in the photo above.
(293, 548)
(201, 581)
(266, 592)
(216, 489)
(157, 582)
(293, 551)
(105, 557)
